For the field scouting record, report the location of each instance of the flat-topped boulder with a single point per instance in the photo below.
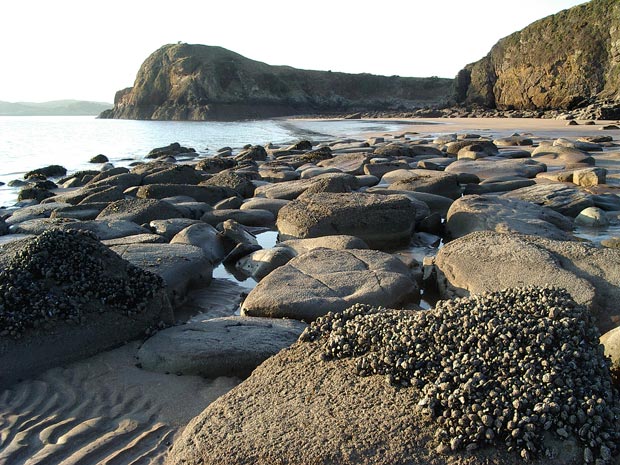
(339, 242)
(206, 237)
(431, 182)
(289, 190)
(373, 386)
(566, 157)
(380, 220)
(488, 261)
(562, 198)
(491, 167)
(181, 266)
(103, 229)
(491, 213)
(227, 346)
(139, 211)
(65, 296)
(323, 280)
(206, 194)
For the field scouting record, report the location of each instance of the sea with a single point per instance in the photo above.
(30, 142)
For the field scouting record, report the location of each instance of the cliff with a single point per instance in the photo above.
(562, 61)
(199, 82)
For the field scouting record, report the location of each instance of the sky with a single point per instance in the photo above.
(87, 50)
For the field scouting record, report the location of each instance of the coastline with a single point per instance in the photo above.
(137, 413)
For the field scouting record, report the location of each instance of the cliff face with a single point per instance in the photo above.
(558, 62)
(199, 82)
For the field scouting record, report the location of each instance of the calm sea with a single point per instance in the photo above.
(27, 143)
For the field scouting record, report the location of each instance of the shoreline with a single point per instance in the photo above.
(136, 411)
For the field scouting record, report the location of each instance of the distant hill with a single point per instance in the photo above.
(563, 61)
(53, 108)
(199, 82)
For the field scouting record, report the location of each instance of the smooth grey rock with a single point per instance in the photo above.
(499, 186)
(228, 346)
(495, 166)
(339, 242)
(34, 212)
(181, 266)
(562, 198)
(136, 239)
(290, 190)
(486, 212)
(323, 280)
(204, 236)
(206, 194)
(103, 229)
(592, 217)
(139, 211)
(259, 264)
(562, 156)
(168, 228)
(248, 217)
(489, 261)
(257, 203)
(350, 163)
(431, 182)
(380, 220)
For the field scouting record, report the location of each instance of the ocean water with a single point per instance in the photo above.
(28, 143)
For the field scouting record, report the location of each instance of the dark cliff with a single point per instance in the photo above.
(559, 62)
(199, 82)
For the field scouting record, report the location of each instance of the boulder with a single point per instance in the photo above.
(168, 228)
(350, 163)
(431, 182)
(181, 266)
(485, 146)
(589, 177)
(340, 242)
(290, 190)
(206, 194)
(337, 398)
(562, 198)
(495, 166)
(490, 213)
(102, 229)
(592, 217)
(50, 171)
(323, 280)
(227, 346)
(379, 220)
(64, 296)
(497, 185)
(248, 217)
(213, 165)
(174, 174)
(514, 140)
(139, 211)
(611, 342)
(565, 157)
(241, 184)
(253, 153)
(257, 203)
(99, 159)
(488, 261)
(204, 236)
(34, 212)
(259, 264)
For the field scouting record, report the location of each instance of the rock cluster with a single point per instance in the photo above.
(57, 275)
(513, 367)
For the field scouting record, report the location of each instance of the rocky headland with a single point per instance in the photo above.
(199, 82)
(562, 62)
(449, 290)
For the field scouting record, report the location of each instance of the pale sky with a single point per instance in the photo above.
(87, 50)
